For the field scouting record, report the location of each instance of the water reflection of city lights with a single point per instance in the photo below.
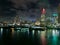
(55, 37)
(38, 32)
(55, 32)
(43, 39)
(33, 31)
(24, 29)
(12, 31)
(1, 31)
(18, 30)
(28, 32)
(48, 34)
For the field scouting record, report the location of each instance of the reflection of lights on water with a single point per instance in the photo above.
(28, 32)
(24, 29)
(18, 30)
(43, 39)
(33, 31)
(55, 32)
(1, 31)
(12, 31)
(55, 37)
(43, 33)
(49, 33)
(38, 32)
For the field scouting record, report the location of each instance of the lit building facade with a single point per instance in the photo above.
(55, 16)
(42, 19)
(17, 20)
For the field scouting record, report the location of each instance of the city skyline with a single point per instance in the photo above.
(29, 22)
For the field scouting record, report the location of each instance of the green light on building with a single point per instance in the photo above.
(55, 14)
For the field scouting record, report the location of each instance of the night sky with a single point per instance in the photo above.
(26, 8)
(54, 2)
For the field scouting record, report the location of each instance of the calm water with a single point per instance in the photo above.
(27, 37)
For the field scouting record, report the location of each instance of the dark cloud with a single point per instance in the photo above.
(26, 8)
(6, 7)
(22, 3)
(54, 3)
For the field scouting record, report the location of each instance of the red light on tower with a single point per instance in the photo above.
(43, 11)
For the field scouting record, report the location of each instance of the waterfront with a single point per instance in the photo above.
(27, 37)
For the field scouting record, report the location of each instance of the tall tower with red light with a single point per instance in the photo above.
(43, 18)
(43, 11)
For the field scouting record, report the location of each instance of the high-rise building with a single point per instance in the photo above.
(55, 16)
(17, 20)
(58, 9)
(42, 18)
